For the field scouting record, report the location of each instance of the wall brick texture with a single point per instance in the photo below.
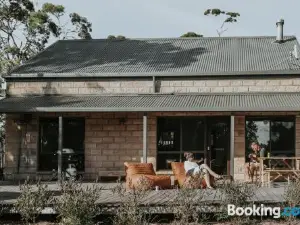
(164, 86)
(109, 143)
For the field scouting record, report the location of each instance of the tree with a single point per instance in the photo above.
(191, 34)
(230, 17)
(113, 37)
(25, 29)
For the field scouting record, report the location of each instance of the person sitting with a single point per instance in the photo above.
(253, 166)
(194, 167)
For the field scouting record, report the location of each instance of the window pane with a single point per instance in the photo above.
(73, 138)
(257, 131)
(193, 131)
(49, 136)
(48, 144)
(168, 134)
(283, 138)
(74, 134)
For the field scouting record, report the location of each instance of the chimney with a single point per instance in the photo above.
(279, 25)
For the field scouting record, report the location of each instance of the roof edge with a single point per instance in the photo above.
(155, 74)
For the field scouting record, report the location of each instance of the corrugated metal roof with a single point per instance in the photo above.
(154, 102)
(163, 56)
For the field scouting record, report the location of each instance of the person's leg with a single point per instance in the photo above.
(206, 175)
(252, 171)
(206, 167)
(207, 178)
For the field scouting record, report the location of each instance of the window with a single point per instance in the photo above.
(176, 136)
(276, 135)
(73, 138)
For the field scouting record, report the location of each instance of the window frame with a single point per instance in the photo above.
(271, 119)
(49, 118)
(181, 151)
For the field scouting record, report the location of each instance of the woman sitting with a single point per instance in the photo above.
(193, 167)
(253, 166)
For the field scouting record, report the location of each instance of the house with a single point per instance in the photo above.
(113, 101)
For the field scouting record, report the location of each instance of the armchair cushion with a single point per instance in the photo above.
(143, 174)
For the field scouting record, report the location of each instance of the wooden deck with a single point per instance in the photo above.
(162, 200)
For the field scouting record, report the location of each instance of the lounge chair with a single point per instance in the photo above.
(136, 172)
(181, 179)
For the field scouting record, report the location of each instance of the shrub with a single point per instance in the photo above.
(189, 203)
(292, 198)
(193, 182)
(238, 194)
(130, 211)
(77, 205)
(32, 201)
(143, 185)
(292, 194)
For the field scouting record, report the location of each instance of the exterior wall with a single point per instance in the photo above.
(239, 147)
(164, 86)
(20, 143)
(108, 143)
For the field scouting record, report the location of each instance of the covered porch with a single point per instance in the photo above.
(106, 131)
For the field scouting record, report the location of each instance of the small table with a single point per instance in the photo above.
(287, 169)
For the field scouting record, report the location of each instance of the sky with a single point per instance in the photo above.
(172, 18)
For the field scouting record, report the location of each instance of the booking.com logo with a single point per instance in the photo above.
(262, 210)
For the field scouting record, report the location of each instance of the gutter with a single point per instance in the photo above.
(150, 75)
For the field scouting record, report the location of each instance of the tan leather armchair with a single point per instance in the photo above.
(136, 172)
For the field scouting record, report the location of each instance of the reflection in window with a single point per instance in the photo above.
(277, 136)
(177, 135)
(73, 138)
(282, 137)
(193, 134)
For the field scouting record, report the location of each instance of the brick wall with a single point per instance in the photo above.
(232, 85)
(109, 143)
(239, 147)
(101, 87)
(20, 144)
(164, 86)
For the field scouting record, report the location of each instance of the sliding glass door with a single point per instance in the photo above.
(206, 137)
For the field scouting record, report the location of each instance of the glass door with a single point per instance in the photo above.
(218, 144)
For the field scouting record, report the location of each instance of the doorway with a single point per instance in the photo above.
(206, 137)
(218, 144)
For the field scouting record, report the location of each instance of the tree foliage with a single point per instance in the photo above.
(113, 37)
(191, 34)
(26, 29)
(230, 17)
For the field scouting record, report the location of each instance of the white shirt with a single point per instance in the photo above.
(190, 165)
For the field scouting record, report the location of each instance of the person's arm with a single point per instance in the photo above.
(198, 161)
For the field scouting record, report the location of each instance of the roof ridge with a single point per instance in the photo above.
(177, 38)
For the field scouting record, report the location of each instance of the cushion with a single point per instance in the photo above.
(179, 172)
(139, 168)
(139, 181)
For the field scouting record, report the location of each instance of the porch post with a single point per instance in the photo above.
(60, 147)
(232, 146)
(145, 138)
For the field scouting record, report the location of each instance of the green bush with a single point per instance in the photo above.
(130, 211)
(32, 200)
(77, 205)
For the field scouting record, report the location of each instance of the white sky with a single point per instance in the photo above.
(172, 18)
